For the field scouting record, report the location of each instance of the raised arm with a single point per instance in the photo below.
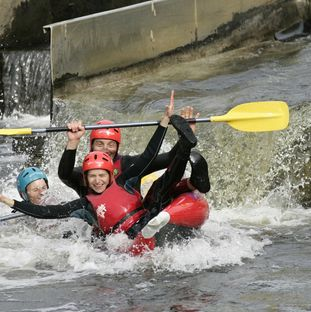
(142, 163)
(75, 133)
(163, 160)
(68, 174)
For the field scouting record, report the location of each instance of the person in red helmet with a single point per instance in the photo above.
(108, 141)
(114, 203)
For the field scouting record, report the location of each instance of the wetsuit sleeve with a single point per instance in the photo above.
(72, 177)
(141, 165)
(162, 161)
(66, 165)
(51, 211)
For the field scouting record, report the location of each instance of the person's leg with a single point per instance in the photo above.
(158, 195)
(199, 178)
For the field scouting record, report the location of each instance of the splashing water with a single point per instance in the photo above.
(258, 179)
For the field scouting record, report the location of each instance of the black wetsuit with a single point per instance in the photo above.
(158, 195)
(73, 176)
(81, 207)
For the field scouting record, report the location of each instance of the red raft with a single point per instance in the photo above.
(188, 210)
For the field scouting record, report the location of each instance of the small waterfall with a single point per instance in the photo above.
(26, 83)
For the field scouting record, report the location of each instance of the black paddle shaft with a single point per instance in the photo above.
(117, 125)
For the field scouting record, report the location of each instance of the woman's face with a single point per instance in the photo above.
(107, 146)
(98, 180)
(36, 190)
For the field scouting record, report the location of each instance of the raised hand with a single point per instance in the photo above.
(187, 112)
(75, 134)
(169, 110)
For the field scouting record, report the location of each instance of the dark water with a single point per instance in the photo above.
(253, 254)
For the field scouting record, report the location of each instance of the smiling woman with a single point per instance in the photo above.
(98, 171)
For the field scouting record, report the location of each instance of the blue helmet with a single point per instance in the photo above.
(27, 176)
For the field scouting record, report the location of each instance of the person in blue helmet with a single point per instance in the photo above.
(32, 185)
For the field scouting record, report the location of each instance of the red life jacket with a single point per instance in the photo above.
(116, 209)
(117, 170)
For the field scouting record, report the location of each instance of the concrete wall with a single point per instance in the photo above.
(21, 21)
(211, 14)
(114, 39)
(100, 42)
(87, 46)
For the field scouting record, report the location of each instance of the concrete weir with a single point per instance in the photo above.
(98, 43)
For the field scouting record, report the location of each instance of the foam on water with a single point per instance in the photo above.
(34, 252)
(271, 211)
(23, 120)
(30, 258)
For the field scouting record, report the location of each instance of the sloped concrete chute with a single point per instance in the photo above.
(100, 42)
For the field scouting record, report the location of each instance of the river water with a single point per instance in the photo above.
(253, 254)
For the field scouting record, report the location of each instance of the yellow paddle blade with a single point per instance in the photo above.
(257, 116)
(147, 181)
(18, 131)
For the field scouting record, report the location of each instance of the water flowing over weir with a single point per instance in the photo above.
(26, 81)
(27, 94)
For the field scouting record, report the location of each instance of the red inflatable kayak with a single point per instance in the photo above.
(188, 210)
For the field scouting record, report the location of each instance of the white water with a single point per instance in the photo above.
(33, 251)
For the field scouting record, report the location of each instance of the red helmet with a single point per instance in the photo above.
(97, 160)
(108, 134)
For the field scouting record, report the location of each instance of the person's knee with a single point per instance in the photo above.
(199, 178)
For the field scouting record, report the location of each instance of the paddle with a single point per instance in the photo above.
(12, 216)
(253, 117)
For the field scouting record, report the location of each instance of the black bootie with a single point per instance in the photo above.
(187, 137)
(199, 174)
